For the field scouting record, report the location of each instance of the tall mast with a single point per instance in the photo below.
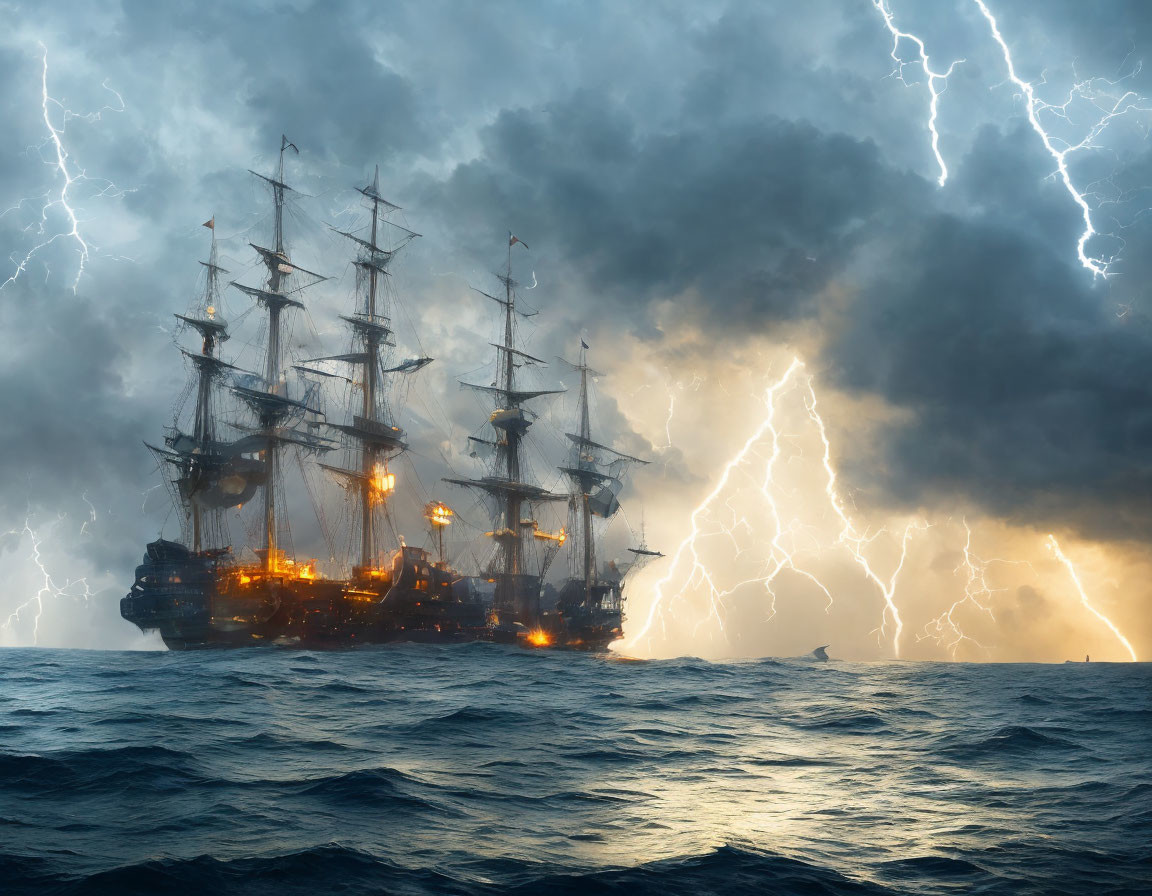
(596, 472)
(202, 462)
(585, 508)
(371, 366)
(511, 421)
(513, 549)
(204, 427)
(371, 431)
(272, 405)
(272, 371)
(585, 477)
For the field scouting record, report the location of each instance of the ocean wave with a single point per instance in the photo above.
(383, 789)
(122, 768)
(323, 869)
(335, 868)
(289, 743)
(1011, 739)
(483, 769)
(844, 720)
(723, 871)
(468, 718)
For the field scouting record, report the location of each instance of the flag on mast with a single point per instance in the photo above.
(513, 240)
(210, 223)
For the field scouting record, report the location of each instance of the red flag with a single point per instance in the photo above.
(513, 240)
(210, 224)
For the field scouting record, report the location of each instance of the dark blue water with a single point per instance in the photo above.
(480, 769)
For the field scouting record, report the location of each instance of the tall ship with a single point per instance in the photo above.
(254, 439)
(588, 610)
(523, 549)
(591, 602)
(202, 593)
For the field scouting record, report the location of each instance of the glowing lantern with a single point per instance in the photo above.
(383, 482)
(439, 514)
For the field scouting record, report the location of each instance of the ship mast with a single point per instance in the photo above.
(371, 431)
(585, 485)
(212, 331)
(511, 420)
(513, 548)
(211, 475)
(584, 475)
(271, 405)
(596, 479)
(272, 364)
(371, 368)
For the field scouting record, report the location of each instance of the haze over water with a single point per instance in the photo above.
(483, 769)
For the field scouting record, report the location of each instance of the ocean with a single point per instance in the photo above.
(480, 769)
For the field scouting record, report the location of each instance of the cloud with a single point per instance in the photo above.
(753, 218)
(1025, 392)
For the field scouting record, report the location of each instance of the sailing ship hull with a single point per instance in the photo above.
(586, 621)
(204, 601)
(589, 632)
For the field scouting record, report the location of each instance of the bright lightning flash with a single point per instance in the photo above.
(1063, 558)
(937, 81)
(1108, 105)
(945, 629)
(71, 589)
(717, 517)
(68, 174)
(743, 536)
(1058, 149)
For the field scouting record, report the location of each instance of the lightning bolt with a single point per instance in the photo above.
(1063, 558)
(91, 513)
(945, 629)
(855, 542)
(1108, 105)
(937, 81)
(688, 550)
(69, 173)
(689, 567)
(1035, 106)
(48, 589)
(697, 587)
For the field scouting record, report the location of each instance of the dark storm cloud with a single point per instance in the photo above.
(70, 430)
(754, 217)
(307, 71)
(1026, 393)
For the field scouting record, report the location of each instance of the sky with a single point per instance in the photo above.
(711, 192)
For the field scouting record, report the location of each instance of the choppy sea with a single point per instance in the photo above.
(478, 769)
